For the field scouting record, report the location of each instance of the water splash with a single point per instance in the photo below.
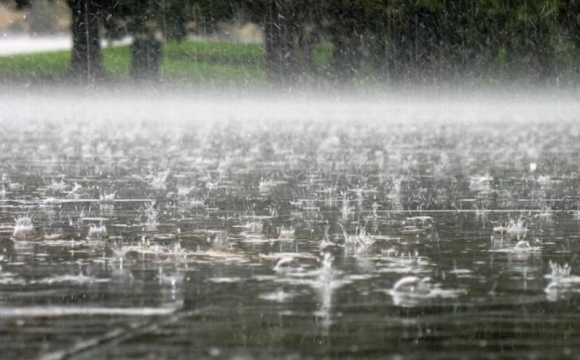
(357, 244)
(107, 198)
(220, 241)
(517, 228)
(171, 279)
(558, 271)
(119, 251)
(286, 233)
(97, 232)
(23, 229)
(325, 285)
(404, 262)
(346, 211)
(252, 228)
(325, 242)
(158, 181)
(562, 282)
(151, 215)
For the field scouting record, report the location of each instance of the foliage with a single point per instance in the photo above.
(417, 40)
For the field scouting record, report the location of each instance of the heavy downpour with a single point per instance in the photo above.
(298, 179)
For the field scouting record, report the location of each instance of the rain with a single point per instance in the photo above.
(264, 179)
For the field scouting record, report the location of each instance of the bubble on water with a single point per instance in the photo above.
(279, 296)
(522, 245)
(413, 285)
(214, 352)
(412, 291)
(291, 264)
(171, 279)
(73, 279)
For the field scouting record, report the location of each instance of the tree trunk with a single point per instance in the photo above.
(146, 49)
(306, 42)
(86, 52)
(547, 73)
(346, 52)
(146, 60)
(346, 38)
(340, 59)
(278, 43)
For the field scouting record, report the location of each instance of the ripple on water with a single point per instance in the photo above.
(290, 233)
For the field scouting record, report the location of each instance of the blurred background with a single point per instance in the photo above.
(293, 43)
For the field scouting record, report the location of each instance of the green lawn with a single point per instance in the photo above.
(221, 62)
(43, 66)
(186, 62)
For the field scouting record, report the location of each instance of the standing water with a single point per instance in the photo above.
(288, 228)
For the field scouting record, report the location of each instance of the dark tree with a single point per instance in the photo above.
(278, 41)
(85, 27)
(146, 48)
(346, 35)
(416, 41)
(569, 18)
(142, 20)
(291, 30)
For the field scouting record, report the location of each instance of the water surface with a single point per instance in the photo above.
(288, 229)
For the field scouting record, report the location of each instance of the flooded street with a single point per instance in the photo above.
(288, 228)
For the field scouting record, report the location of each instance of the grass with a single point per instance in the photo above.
(220, 62)
(213, 63)
(45, 66)
(185, 62)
